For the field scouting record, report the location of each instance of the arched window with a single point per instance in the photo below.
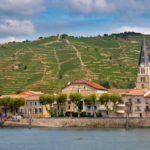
(142, 86)
(141, 79)
(143, 70)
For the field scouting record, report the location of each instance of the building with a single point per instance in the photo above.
(147, 105)
(32, 105)
(143, 77)
(85, 88)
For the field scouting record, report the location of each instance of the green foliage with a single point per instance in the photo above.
(104, 98)
(62, 110)
(47, 100)
(62, 99)
(51, 110)
(12, 103)
(90, 99)
(55, 112)
(75, 114)
(113, 98)
(75, 98)
(104, 84)
(96, 48)
(25, 67)
(19, 91)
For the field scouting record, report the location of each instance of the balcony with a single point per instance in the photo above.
(146, 109)
(120, 105)
(138, 102)
(129, 111)
(129, 103)
(120, 111)
(137, 109)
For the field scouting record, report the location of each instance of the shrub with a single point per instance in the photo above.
(60, 115)
(75, 114)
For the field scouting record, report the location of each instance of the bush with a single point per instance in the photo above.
(75, 114)
(61, 115)
(99, 115)
(83, 114)
(67, 115)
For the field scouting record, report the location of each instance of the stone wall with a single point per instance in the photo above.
(82, 122)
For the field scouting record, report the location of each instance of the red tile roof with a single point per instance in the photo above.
(137, 92)
(119, 91)
(96, 86)
(147, 96)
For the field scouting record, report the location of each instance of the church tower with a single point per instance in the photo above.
(143, 77)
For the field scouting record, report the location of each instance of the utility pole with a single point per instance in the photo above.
(127, 122)
(29, 120)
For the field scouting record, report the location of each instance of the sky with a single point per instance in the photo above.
(29, 19)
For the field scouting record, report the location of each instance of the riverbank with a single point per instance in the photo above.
(81, 122)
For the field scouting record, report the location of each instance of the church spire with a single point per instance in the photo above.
(143, 55)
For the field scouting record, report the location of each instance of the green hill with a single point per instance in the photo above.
(48, 64)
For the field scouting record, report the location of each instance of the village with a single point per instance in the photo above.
(83, 98)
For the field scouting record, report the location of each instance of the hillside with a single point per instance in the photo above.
(48, 64)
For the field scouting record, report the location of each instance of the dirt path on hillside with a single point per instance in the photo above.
(78, 53)
(40, 61)
(57, 58)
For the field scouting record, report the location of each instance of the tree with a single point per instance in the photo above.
(76, 99)
(114, 98)
(61, 100)
(90, 100)
(47, 100)
(25, 67)
(12, 103)
(105, 84)
(19, 91)
(96, 48)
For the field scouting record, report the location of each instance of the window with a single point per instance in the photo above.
(142, 86)
(129, 108)
(147, 114)
(26, 103)
(86, 88)
(17, 110)
(69, 102)
(95, 107)
(130, 100)
(57, 107)
(89, 113)
(137, 108)
(33, 103)
(33, 110)
(138, 100)
(40, 110)
(79, 90)
(30, 103)
(70, 88)
(26, 110)
(58, 113)
(89, 107)
(143, 79)
(146, 101)
(146, 107)
(30, 110)
(21, 110)
(68, 107)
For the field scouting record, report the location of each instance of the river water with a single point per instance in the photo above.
(74, 139)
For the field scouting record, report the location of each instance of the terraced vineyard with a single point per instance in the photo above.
(48, 64)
